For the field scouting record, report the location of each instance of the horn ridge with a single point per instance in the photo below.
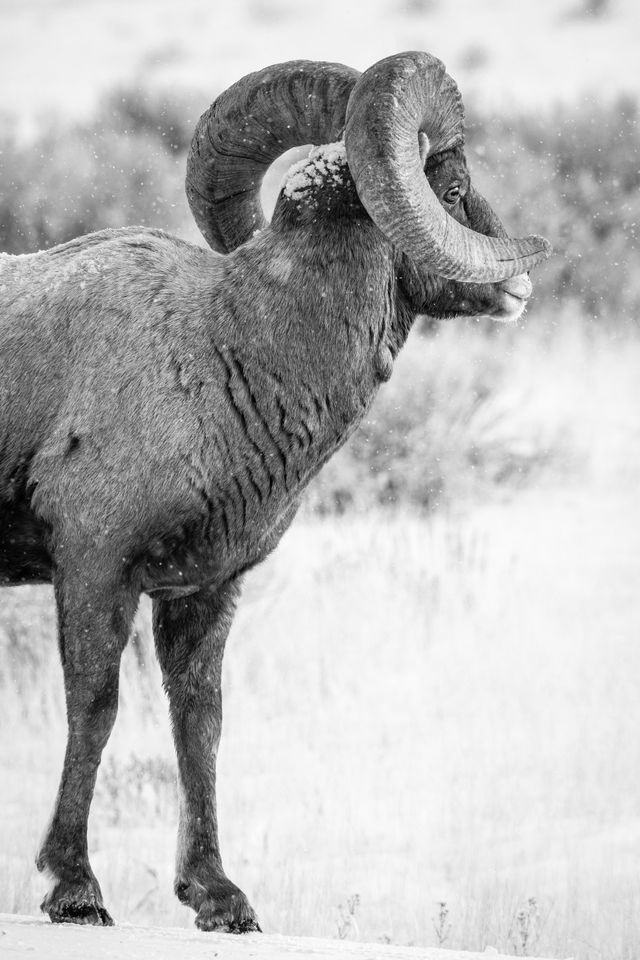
(392, 102)
(246, 128)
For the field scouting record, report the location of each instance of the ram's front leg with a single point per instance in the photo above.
(93, 621)
(190, 635)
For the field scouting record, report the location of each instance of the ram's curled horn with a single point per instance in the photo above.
(391, 104)
(251, 124)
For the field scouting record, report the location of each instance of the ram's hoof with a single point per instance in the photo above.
(228, 916)
(76, 903)
(219, 905)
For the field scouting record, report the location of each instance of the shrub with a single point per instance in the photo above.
(126, 167)
(573, 176)
(458, 421)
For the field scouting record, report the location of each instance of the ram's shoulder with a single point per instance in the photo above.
(132, 247)
(142, 246)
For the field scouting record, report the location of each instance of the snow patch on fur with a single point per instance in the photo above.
(324, 163)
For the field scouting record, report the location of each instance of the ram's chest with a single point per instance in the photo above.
(205, 552)
(246, 476)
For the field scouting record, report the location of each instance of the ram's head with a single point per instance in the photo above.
(402, 123)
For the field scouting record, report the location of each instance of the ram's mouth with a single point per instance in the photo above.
(517, 288)
(511, 309)
(514, 302)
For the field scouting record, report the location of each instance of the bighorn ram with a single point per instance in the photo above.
(162, 406)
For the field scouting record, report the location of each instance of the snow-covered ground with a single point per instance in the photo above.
(58, 56)
(38, 940)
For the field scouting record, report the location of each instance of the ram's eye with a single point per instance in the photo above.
(453, 194)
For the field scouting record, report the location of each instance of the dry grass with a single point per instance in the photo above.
(419, 712)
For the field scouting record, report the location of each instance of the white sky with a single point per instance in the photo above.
(58, 56)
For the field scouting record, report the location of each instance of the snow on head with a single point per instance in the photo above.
(324, 163)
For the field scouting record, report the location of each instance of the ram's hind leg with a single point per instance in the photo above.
(190, 636)
(93, 623)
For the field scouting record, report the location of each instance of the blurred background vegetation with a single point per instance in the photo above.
(448, 427)
(571, 173)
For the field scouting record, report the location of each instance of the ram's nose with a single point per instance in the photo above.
(519, 286)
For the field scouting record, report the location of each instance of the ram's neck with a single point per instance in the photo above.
(303, 331)
(323, 297)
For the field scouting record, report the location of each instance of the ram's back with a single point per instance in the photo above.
(84, 316)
